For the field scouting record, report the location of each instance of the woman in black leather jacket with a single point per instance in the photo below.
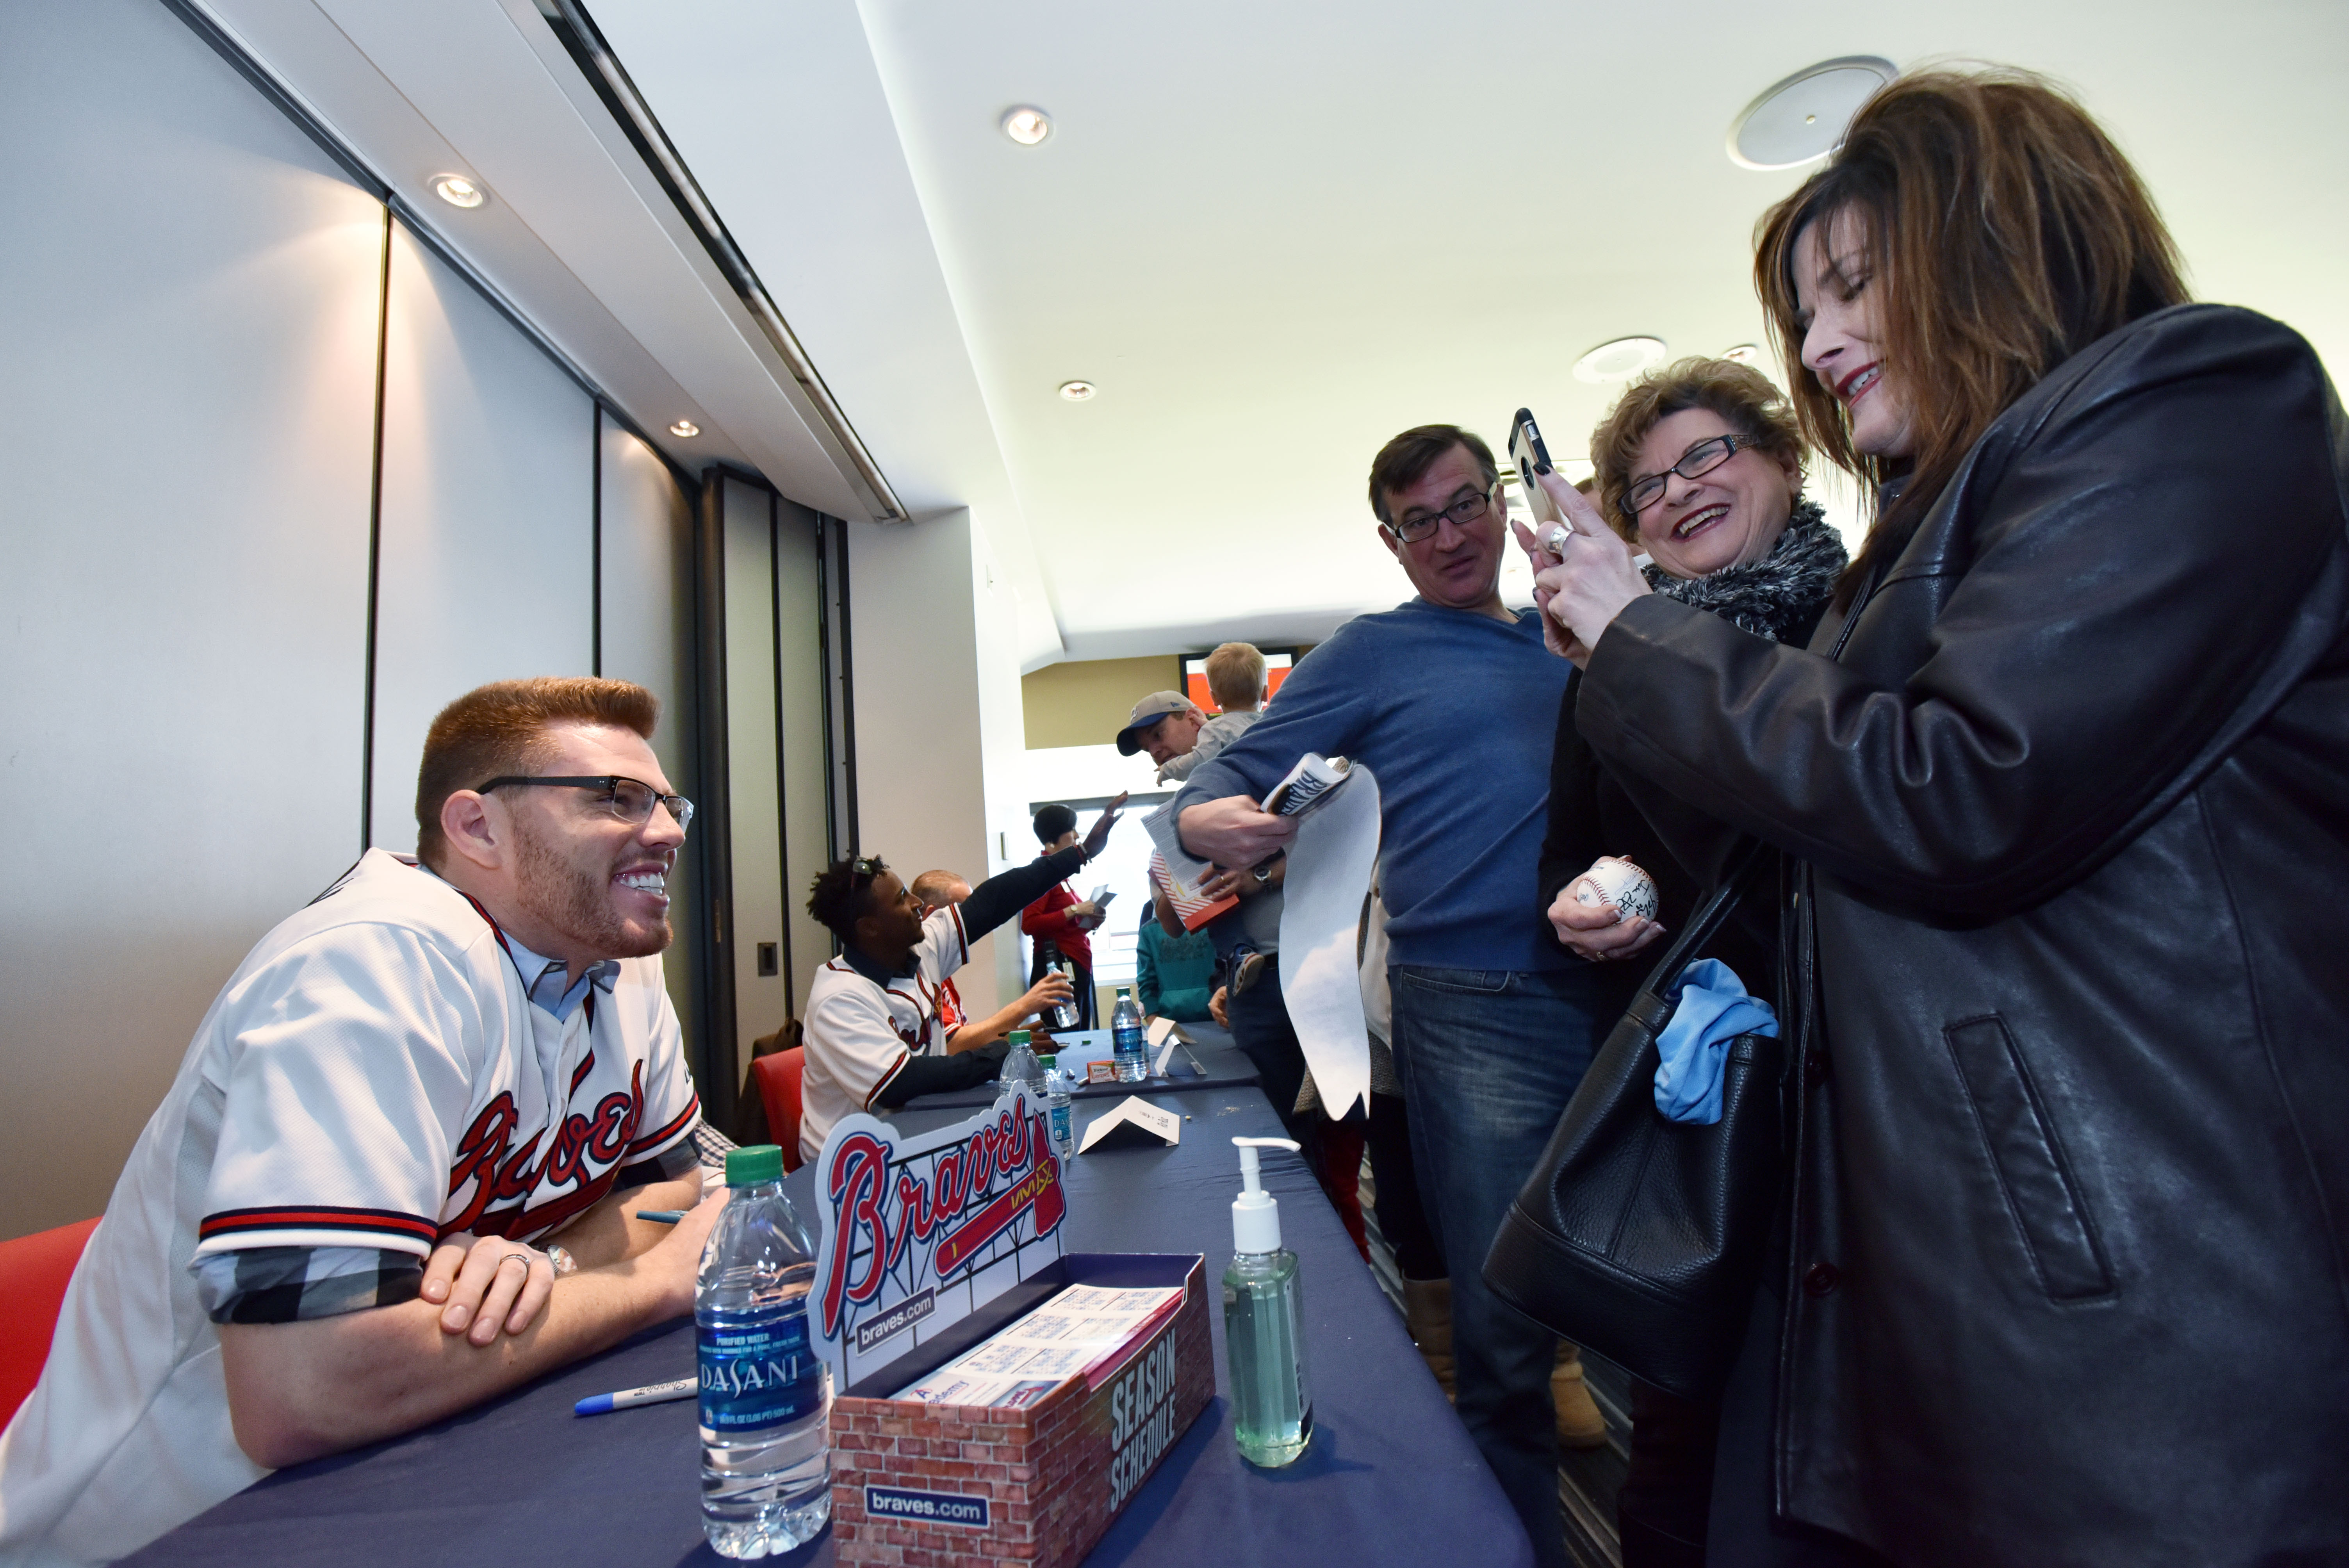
(2064, 777)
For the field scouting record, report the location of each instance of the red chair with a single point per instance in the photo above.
(33, 1271)
(778, 1077)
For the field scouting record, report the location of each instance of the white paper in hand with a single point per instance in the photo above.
(1329, 867)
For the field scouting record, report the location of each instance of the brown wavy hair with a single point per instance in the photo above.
(2005, 232)
(1740, 394)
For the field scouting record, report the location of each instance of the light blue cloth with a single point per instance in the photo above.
(1713, 1009)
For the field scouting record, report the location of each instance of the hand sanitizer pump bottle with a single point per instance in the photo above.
(1272, 1411)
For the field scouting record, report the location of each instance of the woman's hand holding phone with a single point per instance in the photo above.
(1583, 575)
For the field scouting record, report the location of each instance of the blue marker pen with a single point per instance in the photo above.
(656, 1394)
(661, 1216)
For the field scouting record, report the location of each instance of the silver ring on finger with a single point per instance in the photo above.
(525, 1259)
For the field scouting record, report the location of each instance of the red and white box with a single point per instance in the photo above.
(947, 1486)
(931, 1246)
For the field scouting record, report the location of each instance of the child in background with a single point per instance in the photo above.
(1174, 972)
(1236, 681)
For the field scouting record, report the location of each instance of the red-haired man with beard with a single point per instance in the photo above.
(335, 1229)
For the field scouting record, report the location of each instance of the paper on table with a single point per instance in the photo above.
(1329, 867)
(1139, 1114)
(1164, 1035)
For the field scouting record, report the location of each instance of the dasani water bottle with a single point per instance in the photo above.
(1129, 1041)
(766, 1461)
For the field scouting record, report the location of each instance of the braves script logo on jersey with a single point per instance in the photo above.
(585, 1157)
(951, 1204)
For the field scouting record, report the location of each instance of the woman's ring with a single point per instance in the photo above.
(525, 1259)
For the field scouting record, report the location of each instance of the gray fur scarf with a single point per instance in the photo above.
(1780, 591)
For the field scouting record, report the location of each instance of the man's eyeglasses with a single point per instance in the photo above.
(1696, 462)
(630, 800)
(1462, 512)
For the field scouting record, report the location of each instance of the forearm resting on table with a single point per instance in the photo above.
(608, 1232)
(300, 1390)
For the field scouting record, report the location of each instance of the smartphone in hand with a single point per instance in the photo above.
(1527, 452)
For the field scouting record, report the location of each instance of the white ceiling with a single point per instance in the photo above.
(1275, 235)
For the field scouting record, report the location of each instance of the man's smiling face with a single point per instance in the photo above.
(593, 879)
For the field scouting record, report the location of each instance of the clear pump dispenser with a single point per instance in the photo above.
(1263, 1311)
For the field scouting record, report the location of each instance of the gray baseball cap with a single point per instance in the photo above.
(1147, 712)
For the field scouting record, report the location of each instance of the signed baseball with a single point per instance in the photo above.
(1619, 882)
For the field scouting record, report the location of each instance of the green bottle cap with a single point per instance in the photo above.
(1019, 1036)
(749, 1166)
(1049, 1063)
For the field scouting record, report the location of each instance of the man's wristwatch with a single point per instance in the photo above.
(1262, 871)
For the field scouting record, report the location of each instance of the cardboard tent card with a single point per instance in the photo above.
(918, 1233)
(1133, 1120)
(1164, 1035)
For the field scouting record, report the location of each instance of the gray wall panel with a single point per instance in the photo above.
(487, 564)
(647, 619)
(799, 663)
(188, 310)
(761, 1003)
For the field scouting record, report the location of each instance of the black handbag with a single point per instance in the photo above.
(1639, 1237)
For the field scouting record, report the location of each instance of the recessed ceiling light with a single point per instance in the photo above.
(1803, 118)
(684, 428)
(1620, 360)
(1077, 391)
(458, 191)
(1026, 124)
(1743, 354)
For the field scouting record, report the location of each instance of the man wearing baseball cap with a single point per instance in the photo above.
(1166, 724)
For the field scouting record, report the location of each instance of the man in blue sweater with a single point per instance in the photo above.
(1494, 1021)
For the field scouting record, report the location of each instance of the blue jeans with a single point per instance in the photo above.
(1489, 1059)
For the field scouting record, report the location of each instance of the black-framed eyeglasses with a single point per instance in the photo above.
(1462, 512)
(630, 800)
(1696, 462)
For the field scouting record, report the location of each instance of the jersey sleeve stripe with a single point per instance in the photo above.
(651, 1141)
(903, 1056)
(319, 1217)
(961, 936)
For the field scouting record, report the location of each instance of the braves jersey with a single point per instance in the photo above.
(373, 1075)
(861, 1029)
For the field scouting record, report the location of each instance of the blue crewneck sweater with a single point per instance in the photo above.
(1455, 713)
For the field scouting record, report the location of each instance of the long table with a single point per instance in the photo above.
(1209, 1060)
(1391, 1477)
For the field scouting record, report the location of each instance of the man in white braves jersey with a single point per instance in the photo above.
(874, 1035)
(324, 1237)
(934, 891)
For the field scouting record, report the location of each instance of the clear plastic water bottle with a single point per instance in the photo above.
(1129, 1041)
(1020, 1066)
(766, 1460)
(1059, 1102)
(1062, 1014)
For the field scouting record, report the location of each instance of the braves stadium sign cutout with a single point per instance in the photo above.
(920, 1231)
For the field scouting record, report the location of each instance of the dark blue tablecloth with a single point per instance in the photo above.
(1391, 1477)
(1210, 1061)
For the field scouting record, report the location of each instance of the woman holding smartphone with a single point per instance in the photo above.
(2064, 776)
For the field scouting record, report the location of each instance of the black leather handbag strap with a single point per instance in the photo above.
(1653, 1005)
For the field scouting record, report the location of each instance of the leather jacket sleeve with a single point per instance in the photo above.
(2107, 583)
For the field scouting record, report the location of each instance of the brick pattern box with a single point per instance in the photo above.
(927, 1486)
